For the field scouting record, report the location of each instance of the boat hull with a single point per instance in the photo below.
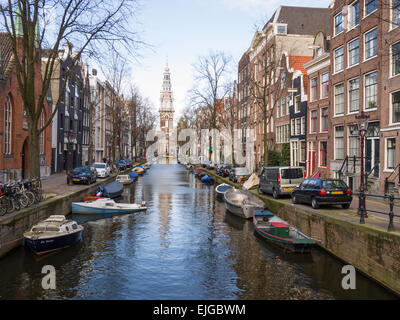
(113, 190)
(239, 207)
(81, 209)
(48, 245)
(286, 245)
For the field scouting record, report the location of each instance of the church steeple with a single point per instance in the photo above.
(166, 101)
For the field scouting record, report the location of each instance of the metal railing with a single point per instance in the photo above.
(375, 167)
(396, 171)
(362, 210)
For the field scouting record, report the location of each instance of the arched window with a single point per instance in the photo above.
(8, 126)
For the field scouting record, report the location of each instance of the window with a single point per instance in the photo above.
(370, 6)
(282, 29)
(396, 58)
(323, 153)
(8, 126)
(292, 127)
(302, 151)
(354, 14)
(371, 90)
(354, 52)
(339, 23)
(278, 108)
(283, 107)
(390, 153)
(325, 85)
(298, 126)
(339, 99)
(353, 141)
(283, 78)
(371, 44)
(339, 143)
(314, 84)
(324, 120)
(339, 59)
(354, 96)
(314, 119)
(297, 104)
(396, 12)
(42, 133)
(303, 125)
(396, 107)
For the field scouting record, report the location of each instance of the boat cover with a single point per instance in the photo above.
(251, 182)
(113, 189)
(206, 178)
(133, 175)
(223, 187)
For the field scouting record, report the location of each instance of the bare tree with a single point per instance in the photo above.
(212, 73)
(86, 23)
(266, 91)
(146, 119)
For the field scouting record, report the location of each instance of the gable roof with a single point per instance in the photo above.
(302, 20)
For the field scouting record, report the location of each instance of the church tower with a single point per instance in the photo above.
(167, 103)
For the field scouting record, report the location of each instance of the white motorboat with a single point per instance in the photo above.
(54, 233)
(124, 179)
(105, 205)
(242, 203)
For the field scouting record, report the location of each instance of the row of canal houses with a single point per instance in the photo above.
(321, 68)
(87, 110)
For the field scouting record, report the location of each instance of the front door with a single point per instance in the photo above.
(372, 155)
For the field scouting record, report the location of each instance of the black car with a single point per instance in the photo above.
(86, 175)
(121, 165)
(323, 191)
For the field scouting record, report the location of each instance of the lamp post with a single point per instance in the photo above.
(362, 133)
(70, 166)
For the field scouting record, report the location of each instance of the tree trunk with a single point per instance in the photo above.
(265, 162)
(33, 141)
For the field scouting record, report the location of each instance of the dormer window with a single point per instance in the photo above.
(282, 29)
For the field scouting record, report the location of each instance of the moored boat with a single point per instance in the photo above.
(124, 179)
(91, 198)
(104, 206)
(221, 189)
(242, 203)
(279, 232)
(207, 179)
(133, 175)
(111, 190)
(52, 234)
(138, 170)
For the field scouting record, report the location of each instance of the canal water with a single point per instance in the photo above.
(186, 246)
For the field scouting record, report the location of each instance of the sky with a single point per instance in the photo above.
(183, 30)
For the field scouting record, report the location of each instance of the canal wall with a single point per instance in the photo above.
(372, 251)
(12, 226)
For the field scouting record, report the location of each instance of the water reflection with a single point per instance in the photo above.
(186, 246)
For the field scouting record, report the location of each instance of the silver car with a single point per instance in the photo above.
(103, 169)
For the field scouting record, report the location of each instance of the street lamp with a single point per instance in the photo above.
(362, 133)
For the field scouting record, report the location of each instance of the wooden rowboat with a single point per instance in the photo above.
(279, 232)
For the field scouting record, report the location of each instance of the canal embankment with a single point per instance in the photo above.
(369, 247)
(58, 201)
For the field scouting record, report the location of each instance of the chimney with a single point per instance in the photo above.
(94, 72)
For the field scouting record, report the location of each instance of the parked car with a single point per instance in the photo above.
(218, 168)
(280, 181)
(205, 164)
(323, 191)
(86, 175)
(103, 169)
(121, 165)
(128, 163)
(225, 170)
(237, 173)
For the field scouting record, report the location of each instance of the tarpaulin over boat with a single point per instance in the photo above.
(253, 181)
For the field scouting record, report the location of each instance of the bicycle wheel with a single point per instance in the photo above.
(31, 197)
(15, 204)
(23, 200)
(3, 206)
